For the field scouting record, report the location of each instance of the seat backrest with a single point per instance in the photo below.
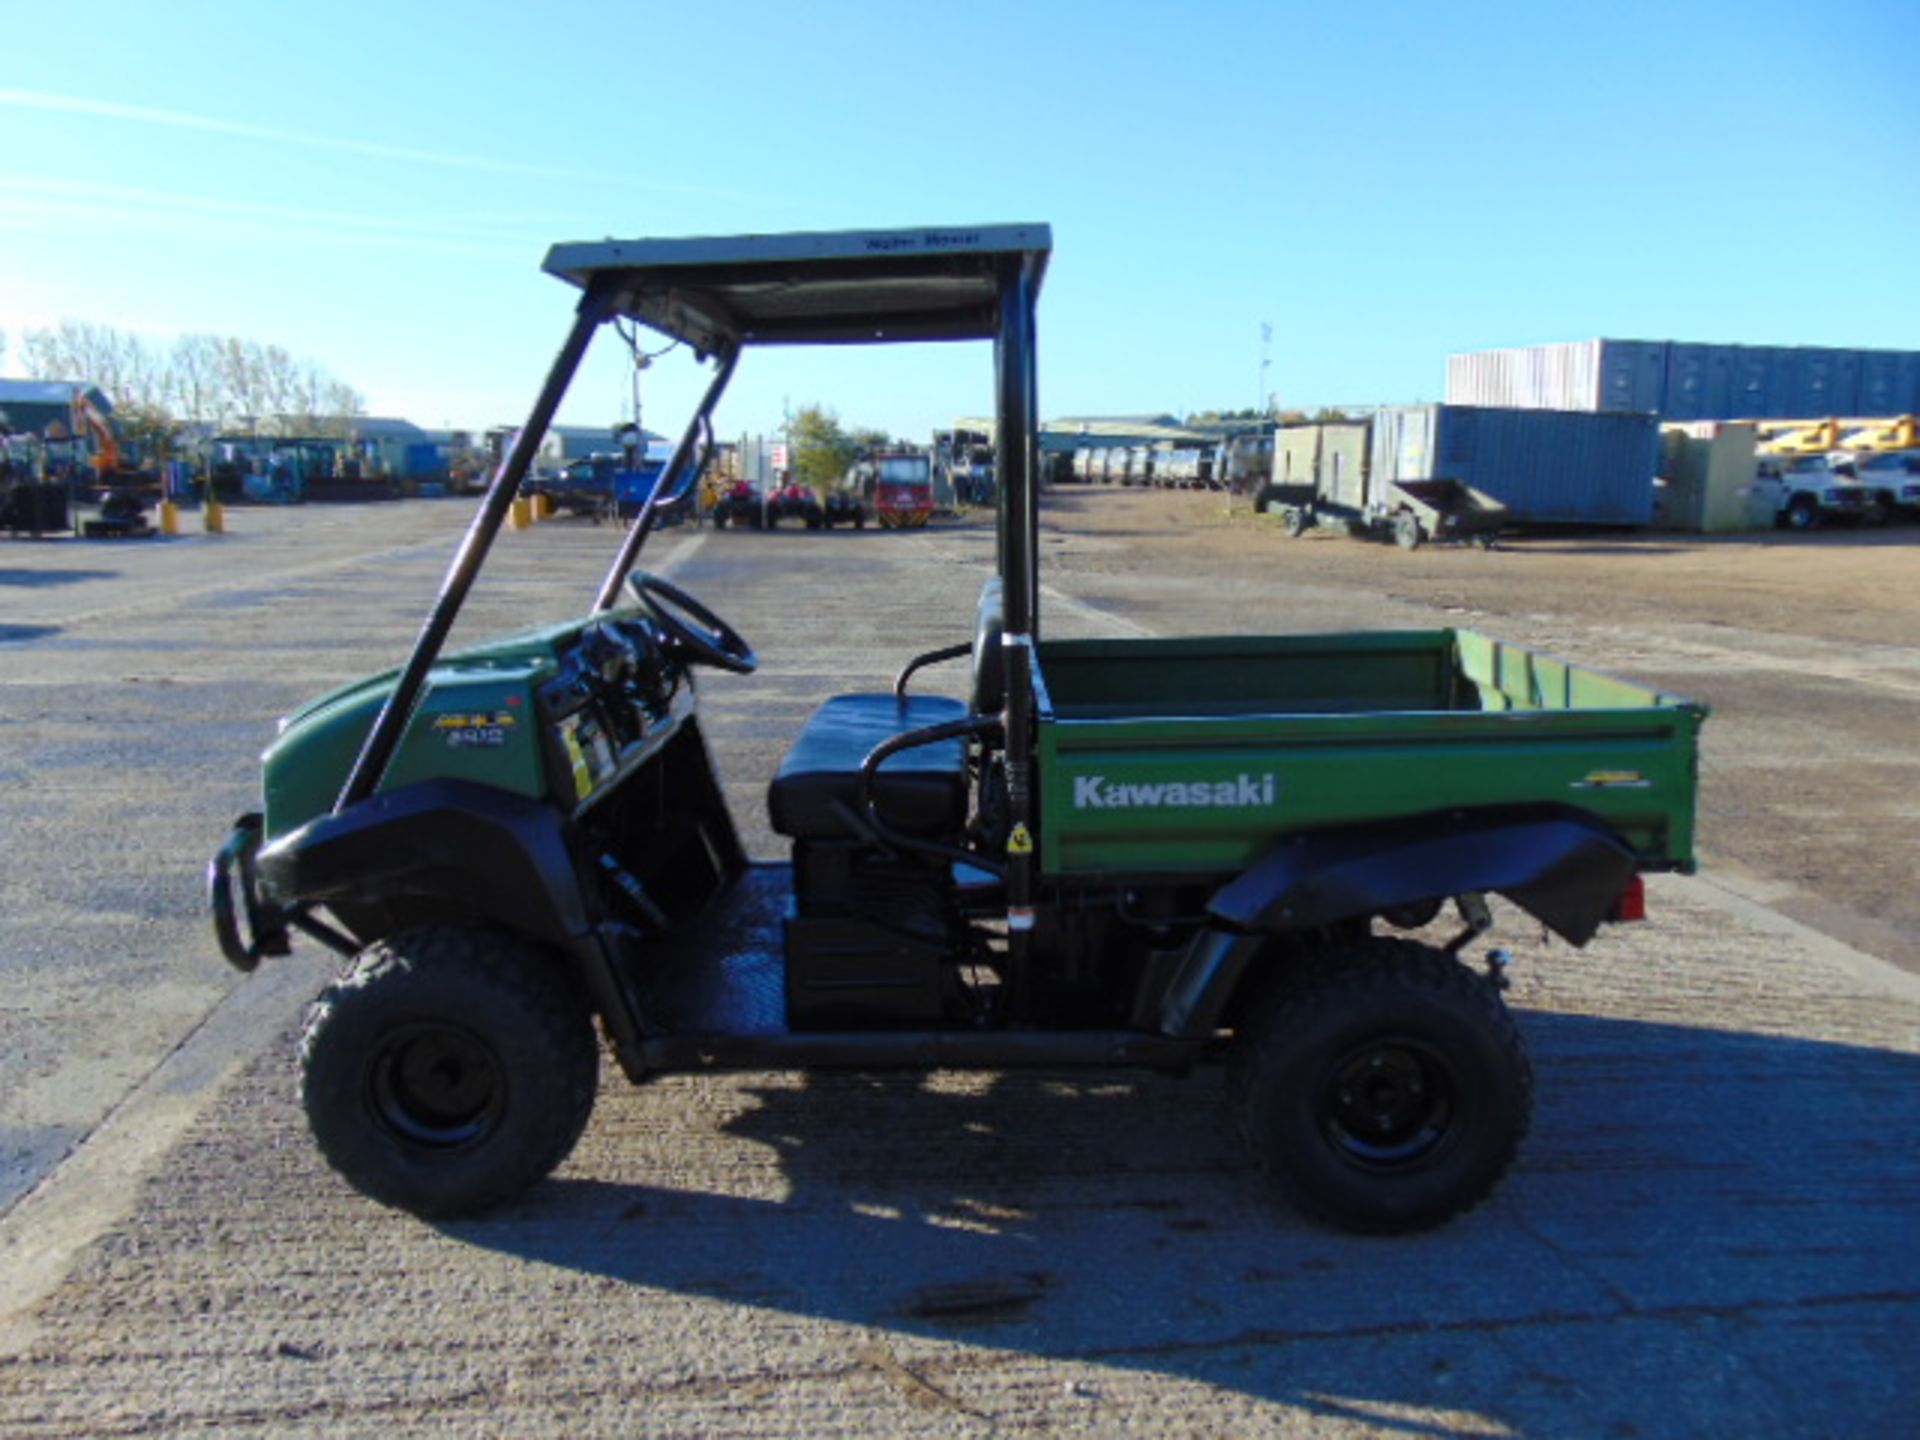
(989, 665)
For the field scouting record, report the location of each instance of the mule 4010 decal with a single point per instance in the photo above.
(486, 730)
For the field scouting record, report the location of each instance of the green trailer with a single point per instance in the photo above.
(1144, 853)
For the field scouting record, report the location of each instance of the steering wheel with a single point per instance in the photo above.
(703, 635)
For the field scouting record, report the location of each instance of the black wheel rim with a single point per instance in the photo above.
(437, 1085)
(1389, 1104)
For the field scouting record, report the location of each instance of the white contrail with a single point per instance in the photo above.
(56, 190)
(24, 198)
(19, 212)
(182, 120)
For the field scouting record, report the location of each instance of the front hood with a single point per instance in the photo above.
(489, 687)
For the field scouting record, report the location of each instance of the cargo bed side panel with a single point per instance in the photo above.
(1150, 790)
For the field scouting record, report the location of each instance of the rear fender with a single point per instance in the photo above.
(1559, 865)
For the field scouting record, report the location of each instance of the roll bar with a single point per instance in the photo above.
(596, 307)
(721, 294)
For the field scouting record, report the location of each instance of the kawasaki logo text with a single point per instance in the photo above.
(1094, 792)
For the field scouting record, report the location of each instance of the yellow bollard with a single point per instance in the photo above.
(213, 516)
(169, 518)
(522, 516)
(542, 506)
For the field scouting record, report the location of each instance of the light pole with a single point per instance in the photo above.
(1266, 340)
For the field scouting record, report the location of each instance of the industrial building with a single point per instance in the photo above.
(45, 407)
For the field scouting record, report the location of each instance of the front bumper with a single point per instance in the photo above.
(246, 924)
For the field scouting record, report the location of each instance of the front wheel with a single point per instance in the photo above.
(1384, 1090)
(448, 1070)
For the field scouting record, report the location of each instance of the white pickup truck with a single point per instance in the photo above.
(1807, 491)
(1892, 479)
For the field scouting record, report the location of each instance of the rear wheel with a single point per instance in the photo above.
(448, 1070)
(1386, 1089)
(1295, 521)
(1407, 533)
(1803, 513)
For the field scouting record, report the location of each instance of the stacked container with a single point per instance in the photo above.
(1685, 382)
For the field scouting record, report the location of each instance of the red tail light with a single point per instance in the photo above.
(1631, 903)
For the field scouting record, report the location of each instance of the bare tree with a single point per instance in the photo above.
(215, 381)
(196, 390)
(341, 406)
(120, 363)
(243, 382)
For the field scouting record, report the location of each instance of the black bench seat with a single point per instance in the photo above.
(922, 791)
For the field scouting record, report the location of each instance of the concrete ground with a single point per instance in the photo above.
(1713, 1227)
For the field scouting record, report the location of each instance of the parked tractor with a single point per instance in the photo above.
(794, 501)
(739, 505)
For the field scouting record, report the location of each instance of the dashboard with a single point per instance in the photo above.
(618, 696)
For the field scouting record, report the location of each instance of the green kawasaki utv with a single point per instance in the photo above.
(1158, 853)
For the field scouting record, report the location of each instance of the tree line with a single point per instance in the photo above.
(226, 383)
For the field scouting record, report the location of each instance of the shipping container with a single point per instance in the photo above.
(1569, 375)
(1563, 376)
(1890, 382)
(1699, 382)
(1816, 383)
(1633, 375)
(1546, 466)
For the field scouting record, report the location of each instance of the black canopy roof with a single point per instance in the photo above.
(838, 287)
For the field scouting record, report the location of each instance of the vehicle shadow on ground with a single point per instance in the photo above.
(15, 634)
(42, 579)
(1710, 1213)
(1635, 542)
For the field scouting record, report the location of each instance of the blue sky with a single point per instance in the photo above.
(373, 186)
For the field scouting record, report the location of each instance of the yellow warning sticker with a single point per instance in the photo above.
(1020, 842)
(1613, 780)
(582, 774)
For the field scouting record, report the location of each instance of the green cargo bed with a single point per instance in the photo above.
(1167, 757)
